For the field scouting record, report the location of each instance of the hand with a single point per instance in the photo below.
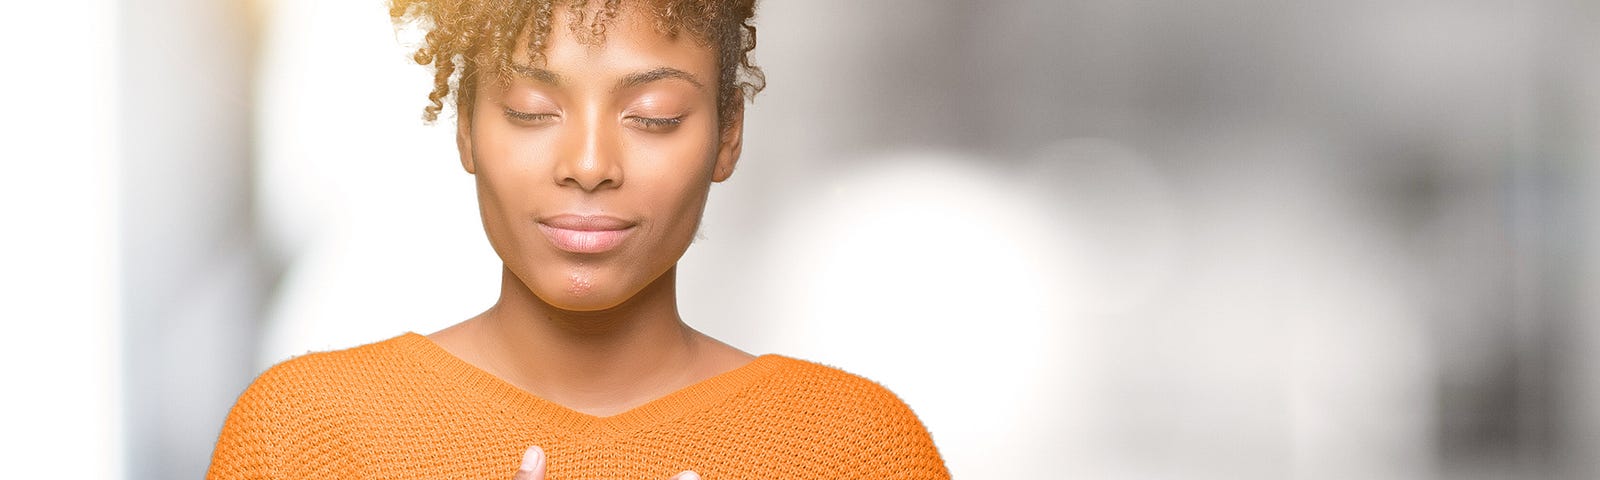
(533, 467)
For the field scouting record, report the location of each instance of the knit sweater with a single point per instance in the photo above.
(405, 408)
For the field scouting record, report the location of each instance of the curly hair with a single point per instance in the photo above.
(470, 40)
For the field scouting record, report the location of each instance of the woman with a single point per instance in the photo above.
(594, 133)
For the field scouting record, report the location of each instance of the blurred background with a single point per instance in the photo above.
(1096, 239)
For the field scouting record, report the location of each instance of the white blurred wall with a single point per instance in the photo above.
(193, 275)
(59, 244)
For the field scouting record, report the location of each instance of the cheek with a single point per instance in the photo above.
(508, 159)
(687, 156)
(674, 173)
(498, 218)
(682, 211)
(669, 180)
(504, 178)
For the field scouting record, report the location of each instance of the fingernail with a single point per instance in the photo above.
(532, 458)
(689, 475)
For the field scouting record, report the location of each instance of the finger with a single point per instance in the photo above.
(533, 465)
(686, 475)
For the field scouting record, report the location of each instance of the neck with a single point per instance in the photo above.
(596, 361)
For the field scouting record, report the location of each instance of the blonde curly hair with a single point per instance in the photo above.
(470, 40)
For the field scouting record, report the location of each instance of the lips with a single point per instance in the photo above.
(585, 233)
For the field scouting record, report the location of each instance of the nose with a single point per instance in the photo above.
(591, 161)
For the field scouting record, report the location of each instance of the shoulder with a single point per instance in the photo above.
(825, 384)
(852, 413)
(825, 395)
(323, 386)
(334, 373)
(295, 409)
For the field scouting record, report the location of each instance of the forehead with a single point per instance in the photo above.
(623, 41)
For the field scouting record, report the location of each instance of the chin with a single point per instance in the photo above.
(581, 291)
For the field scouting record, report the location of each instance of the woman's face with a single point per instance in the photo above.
(593, 168)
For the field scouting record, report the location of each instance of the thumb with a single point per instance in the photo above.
(687, 475)
(533, 465)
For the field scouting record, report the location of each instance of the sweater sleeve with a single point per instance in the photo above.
(903, 448)
(247, 448)
(898, 444)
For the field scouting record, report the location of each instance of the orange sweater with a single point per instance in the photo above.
(404, 408)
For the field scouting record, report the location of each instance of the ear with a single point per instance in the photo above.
(732, 142)
(464, 142)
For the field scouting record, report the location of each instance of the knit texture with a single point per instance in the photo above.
(405, 408)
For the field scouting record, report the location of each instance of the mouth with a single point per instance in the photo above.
(585, 233)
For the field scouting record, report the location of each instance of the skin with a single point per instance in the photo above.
(597, 333)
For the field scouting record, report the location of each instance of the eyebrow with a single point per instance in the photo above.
(630, 81)
(537, 73)
(657, 73)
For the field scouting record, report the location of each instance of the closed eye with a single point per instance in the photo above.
(651, 123)
(526, 117)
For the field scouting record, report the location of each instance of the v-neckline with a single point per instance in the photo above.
(562, 419)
